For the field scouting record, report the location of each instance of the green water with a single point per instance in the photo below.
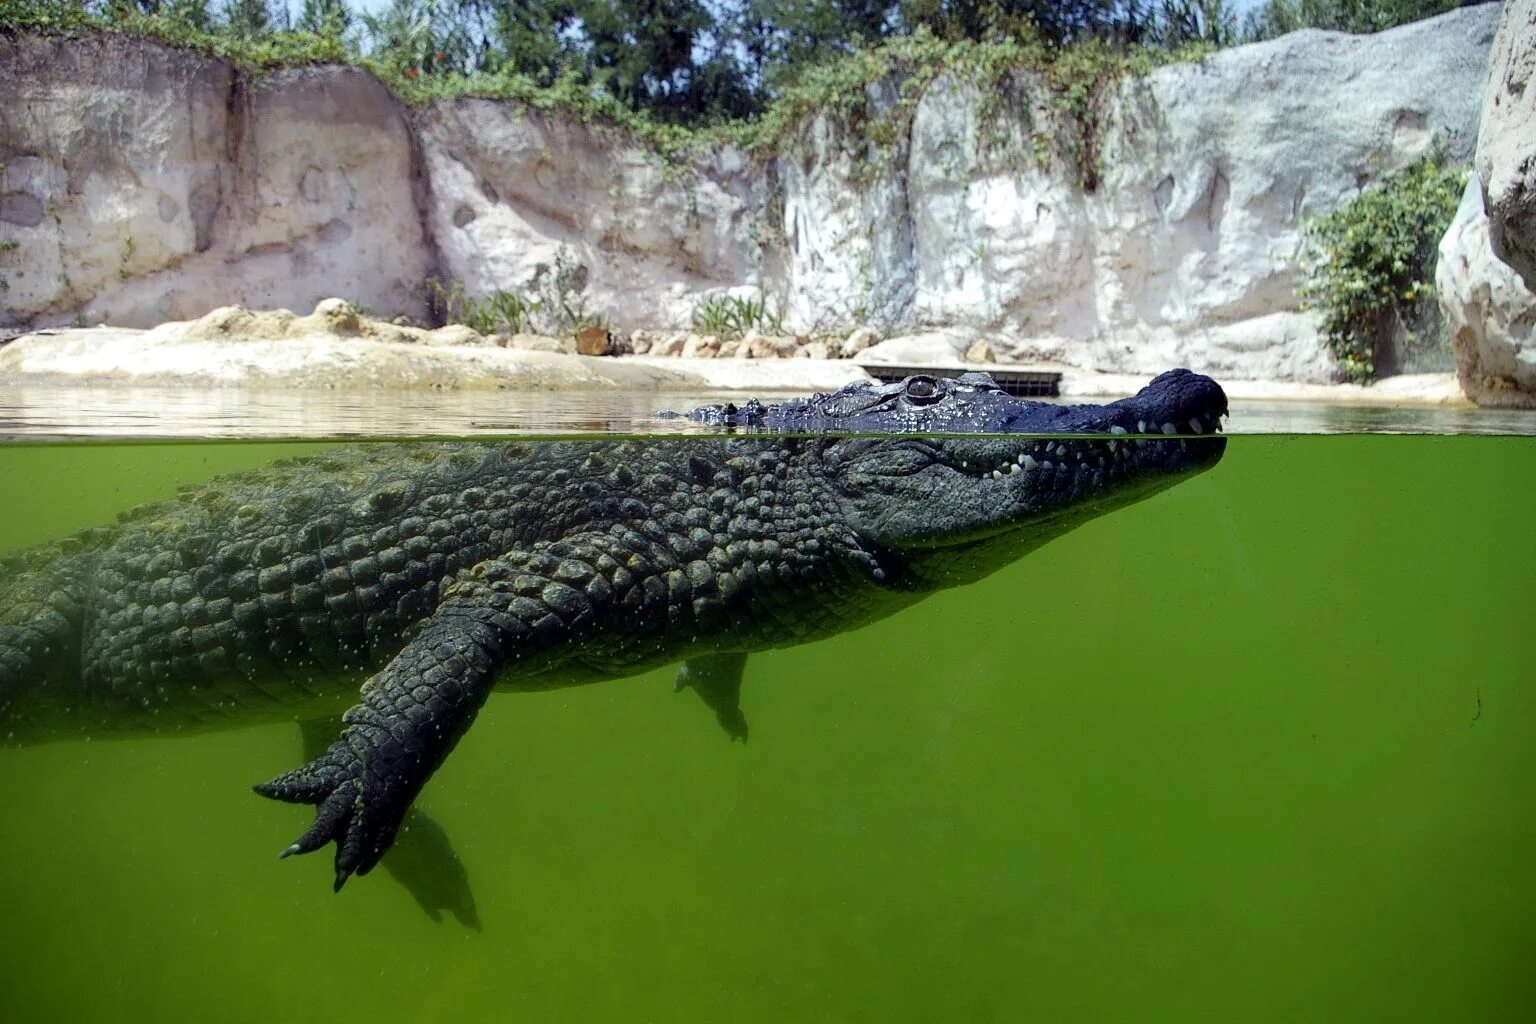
(1262, 748)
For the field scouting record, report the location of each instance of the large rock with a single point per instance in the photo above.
(927, 348)
(1181, 254)
(1489, 312)
(519, 196)
(144, 183)
(1506, 145)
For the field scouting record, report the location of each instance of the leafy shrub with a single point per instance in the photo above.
(499, 311)
(730, 316)
(559, 305)
(1370, 265)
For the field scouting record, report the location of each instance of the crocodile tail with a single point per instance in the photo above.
(39, 632)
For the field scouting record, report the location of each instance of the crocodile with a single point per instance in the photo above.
(972, 403)
(435, 572)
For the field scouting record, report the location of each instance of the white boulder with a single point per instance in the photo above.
(1489, 312)
(1506, 144)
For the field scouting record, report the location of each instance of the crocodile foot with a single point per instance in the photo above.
(716, 678)
(358, 806)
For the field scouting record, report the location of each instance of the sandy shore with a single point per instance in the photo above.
(307, 356)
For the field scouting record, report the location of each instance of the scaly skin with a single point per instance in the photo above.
(446, 570)
(972, 403)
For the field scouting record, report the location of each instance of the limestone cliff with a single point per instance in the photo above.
(144, 184)
(1506, 146)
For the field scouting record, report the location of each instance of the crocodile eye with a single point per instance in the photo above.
(922, 390)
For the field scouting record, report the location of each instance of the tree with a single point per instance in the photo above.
(324, 18)
(247, 18)
(1277, 17)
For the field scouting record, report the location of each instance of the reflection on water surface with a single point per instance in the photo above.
(52, 412)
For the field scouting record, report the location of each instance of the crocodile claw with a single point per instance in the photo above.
(358, 810)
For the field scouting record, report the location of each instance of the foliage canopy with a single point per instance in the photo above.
(689, 62)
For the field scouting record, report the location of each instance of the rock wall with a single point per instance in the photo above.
(1506, 145)
(1489, 311)
(142, 183)
(280, 190)
(517, 192)
(1183, 252)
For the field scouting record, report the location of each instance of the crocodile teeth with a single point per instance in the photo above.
(1169, 428)
(1117, 429)
(1141, 426)
(1014, 468)
(1028, 462)
(1047, 464)
(1194, 424)
(996, 475)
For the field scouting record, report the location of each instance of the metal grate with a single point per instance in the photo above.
(1022, 383)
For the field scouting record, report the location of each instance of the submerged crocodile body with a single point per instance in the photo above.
(435, 572)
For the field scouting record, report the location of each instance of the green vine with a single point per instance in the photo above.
(900, 69)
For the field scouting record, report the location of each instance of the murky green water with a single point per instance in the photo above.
(1262, 748)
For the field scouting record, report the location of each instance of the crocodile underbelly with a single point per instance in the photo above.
(179, 706)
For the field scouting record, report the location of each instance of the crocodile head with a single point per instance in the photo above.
(970, 403)
(962, 506)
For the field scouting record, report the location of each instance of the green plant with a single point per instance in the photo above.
(498, 311)
(562, 290)
(731, 316)
(1369, 265)
(8, 246)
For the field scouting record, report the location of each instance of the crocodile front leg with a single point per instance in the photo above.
(522, 613)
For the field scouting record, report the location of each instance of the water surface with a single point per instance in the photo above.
(136, 412)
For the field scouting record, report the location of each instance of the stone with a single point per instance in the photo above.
(701, 346)
(729, 349)
(673, 345)
(1489, 312)
(593, 341)
(339, 316)
(930, 348)
(861, 339)
(980, 351)
(760, 346)
(816, 350)
(639, 342)
(1506, 141)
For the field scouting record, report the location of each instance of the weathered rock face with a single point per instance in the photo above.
(1181, 254)
(143, 183)
(1489, 311)
(975, 220)
(518, 195)
(1506, 144)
